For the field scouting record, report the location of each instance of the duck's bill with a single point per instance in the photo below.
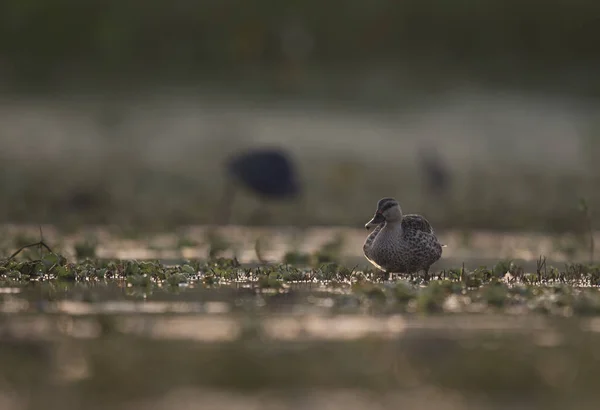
(377, 219)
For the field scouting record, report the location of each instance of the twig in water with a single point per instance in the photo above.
(41, 240)
(541, 263)
(22, 248)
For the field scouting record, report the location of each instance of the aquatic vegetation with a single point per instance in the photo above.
(503, 288)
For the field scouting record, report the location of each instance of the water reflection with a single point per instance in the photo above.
(156, 359)
(300, 327)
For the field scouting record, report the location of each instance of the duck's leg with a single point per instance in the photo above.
(426, 276)
(260, 215)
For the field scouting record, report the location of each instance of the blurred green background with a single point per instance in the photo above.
(124, 111)
(529, 43)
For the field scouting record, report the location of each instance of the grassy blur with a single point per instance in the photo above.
(68, 192)
(108, 158)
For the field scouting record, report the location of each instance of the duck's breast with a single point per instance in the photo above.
(369, 242)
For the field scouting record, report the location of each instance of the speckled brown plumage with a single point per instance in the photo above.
(401, 243)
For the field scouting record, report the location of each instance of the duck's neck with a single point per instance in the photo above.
(394, 226)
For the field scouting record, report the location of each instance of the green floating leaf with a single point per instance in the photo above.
(62, 273)
(176, 278)
(190, 270)
(53, 259)
(132, 268)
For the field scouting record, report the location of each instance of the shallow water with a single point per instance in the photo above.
(108, 344)
(181, 355)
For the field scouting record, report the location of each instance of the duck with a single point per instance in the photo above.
(400, 243)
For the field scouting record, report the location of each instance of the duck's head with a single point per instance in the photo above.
(388, 210)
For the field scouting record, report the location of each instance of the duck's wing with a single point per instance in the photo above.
(416, 222)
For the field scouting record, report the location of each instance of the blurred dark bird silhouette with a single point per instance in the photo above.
(269, 173)
(80, 200)
(89, 201)
(435, 172)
